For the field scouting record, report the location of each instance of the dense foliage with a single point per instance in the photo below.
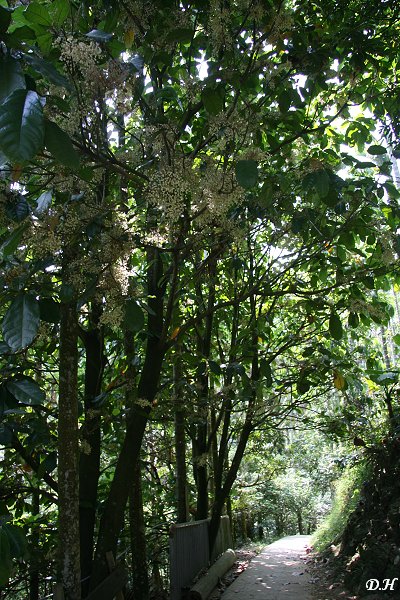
(198, 229)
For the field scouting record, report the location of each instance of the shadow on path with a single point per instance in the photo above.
(277, 573)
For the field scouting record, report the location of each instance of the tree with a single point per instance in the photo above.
(189, 155)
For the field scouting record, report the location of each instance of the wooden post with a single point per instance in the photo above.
(111, 567)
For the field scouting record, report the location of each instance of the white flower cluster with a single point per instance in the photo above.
(218, 193)
(360, 306)
(81, 57)
(168, 190)
(218, 29)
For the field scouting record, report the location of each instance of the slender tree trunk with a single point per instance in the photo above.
(385, 349)
(89, 463)
(201, 441)
(34, 572)
(180, 443)
(68, 453)
(300, 522)
(112, 519)
(140, 579)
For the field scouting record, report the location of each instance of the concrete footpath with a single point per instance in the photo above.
(278, 573)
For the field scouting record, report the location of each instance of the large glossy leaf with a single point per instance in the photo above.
(17, 540)
(134, 316)
(99, 36)
(335, 326)
(26, 391)
(60, 146)
(5, 558)
(5, 19)
(38, 14)
(6, 436)
(376, 150)
(10, 245)
(43, 202)
(213, 100)
(19, 209)
(47, 69)
(21, 322)
(21, 125)
(12, 77)
(246, 173)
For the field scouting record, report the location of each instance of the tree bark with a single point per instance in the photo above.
(140, 579)
(112, 519)
(89, 463)
(180, 443)
(68, 452)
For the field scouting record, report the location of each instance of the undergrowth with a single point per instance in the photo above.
(346, 495)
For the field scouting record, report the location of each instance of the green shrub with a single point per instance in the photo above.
(346, 496)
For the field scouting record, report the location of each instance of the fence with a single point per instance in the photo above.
(189, 552)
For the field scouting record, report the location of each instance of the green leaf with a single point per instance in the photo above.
(6, 436)
(37, 14)
(376, 150)
(99, 36)
(12, 77)
(266, 372)
(11, 244)
(49, 310)
(284, 101)
(213, 99)
(67, 292)
(321, 183)
(43, 202)
(21, 322)
(17, 540)
(21, 125)
(47, 69)
(5, 558)
(60, 10)
(302, 386)
(19, 209)
(246, 173)
(396, 339)
(353, 320)
(5, 19)
(26, 391)
(134, 316)
(214, 367)
(182, 35)
(335, 326)
(59, 144)
(4, 348)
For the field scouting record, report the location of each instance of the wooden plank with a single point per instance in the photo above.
(110, 586)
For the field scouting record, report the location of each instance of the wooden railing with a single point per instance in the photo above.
(189, 552)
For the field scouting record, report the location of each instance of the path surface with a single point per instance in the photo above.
(278, 573)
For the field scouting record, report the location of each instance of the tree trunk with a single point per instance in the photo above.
(89, 463)
(34, 572)
(112, 519)
(300, 522)
(180, 444)
(140, 579)
(68, 453)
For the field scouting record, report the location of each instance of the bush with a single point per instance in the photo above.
(346, 497)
